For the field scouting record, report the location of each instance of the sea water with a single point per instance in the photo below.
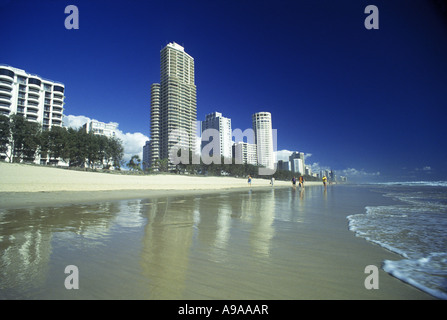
(415, 227)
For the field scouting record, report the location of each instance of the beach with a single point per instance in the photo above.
(180, 237)
(30, 185)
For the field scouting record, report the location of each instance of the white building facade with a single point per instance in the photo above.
(262, 127)
(173, 104)
(101, 128)
(222, 124)
(37, 99)
(245, 153)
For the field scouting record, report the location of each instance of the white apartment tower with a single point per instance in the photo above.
(244, 153)
(262, 127)
(222, 124)
(37, 99)
(173, 103)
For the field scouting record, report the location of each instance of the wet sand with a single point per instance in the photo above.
(273, 244)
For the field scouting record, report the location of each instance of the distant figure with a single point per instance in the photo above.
(272, 181)
(249, 180)
(301, 181)
(294, 182)
(324, 181)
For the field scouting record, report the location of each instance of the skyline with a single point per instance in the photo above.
(356, 100)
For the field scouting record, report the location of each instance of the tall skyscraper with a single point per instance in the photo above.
(222, 124)
(262, 127)
(173, 103)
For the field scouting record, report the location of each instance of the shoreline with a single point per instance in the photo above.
(331, 257)
(28, 185)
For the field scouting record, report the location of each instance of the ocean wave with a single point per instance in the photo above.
(414, 183)
(416, 231)
(428, 274)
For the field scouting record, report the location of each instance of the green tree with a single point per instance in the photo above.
(134, 163)
(5, 135)
(25, 138)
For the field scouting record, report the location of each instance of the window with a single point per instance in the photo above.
(34, 81)
(58, 88)
(6, 72)
(21, 79)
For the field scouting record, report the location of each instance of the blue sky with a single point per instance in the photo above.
(358, 101)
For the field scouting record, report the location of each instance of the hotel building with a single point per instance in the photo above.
(173, 103)
(222, 124)
(37, 99)
(244, 153)
(262, 127)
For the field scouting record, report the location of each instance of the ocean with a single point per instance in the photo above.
(415, 228)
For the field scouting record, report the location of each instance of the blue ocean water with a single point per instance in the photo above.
(415, 227)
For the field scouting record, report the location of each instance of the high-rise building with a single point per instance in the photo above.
(297, 162)
(37, 99)
(262, 127)
(146, 155)
(244, 153)
(222, 124)
(173, 103)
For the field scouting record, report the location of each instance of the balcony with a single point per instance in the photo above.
(58, 110)
(32, 118)
(33, 97)
(5, 100)
(58, 96)
(32, 109)
(4, 109)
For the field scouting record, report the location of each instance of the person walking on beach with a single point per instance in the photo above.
(272, 181)
(249, 180)
(324, 181)
(294, 182)
(301, 181)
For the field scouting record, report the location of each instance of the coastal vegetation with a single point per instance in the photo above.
(22, 141)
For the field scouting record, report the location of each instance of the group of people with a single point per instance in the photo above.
(300, 183)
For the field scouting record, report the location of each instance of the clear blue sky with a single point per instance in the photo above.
(365, 100)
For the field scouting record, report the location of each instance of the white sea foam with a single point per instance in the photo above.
(415, 230)
(421, 273)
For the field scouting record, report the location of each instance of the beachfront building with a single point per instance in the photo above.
(296, 160)
(37, 99)
(262, 127)
(284, 165)
(101, 128)
(173, 104)
(222, 124)
(245, 153)
(146, 155)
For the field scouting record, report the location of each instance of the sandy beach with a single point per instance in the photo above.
(182, 237)
(30, 185)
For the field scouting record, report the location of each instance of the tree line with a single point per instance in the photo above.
(22, 141)
(226, 167)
